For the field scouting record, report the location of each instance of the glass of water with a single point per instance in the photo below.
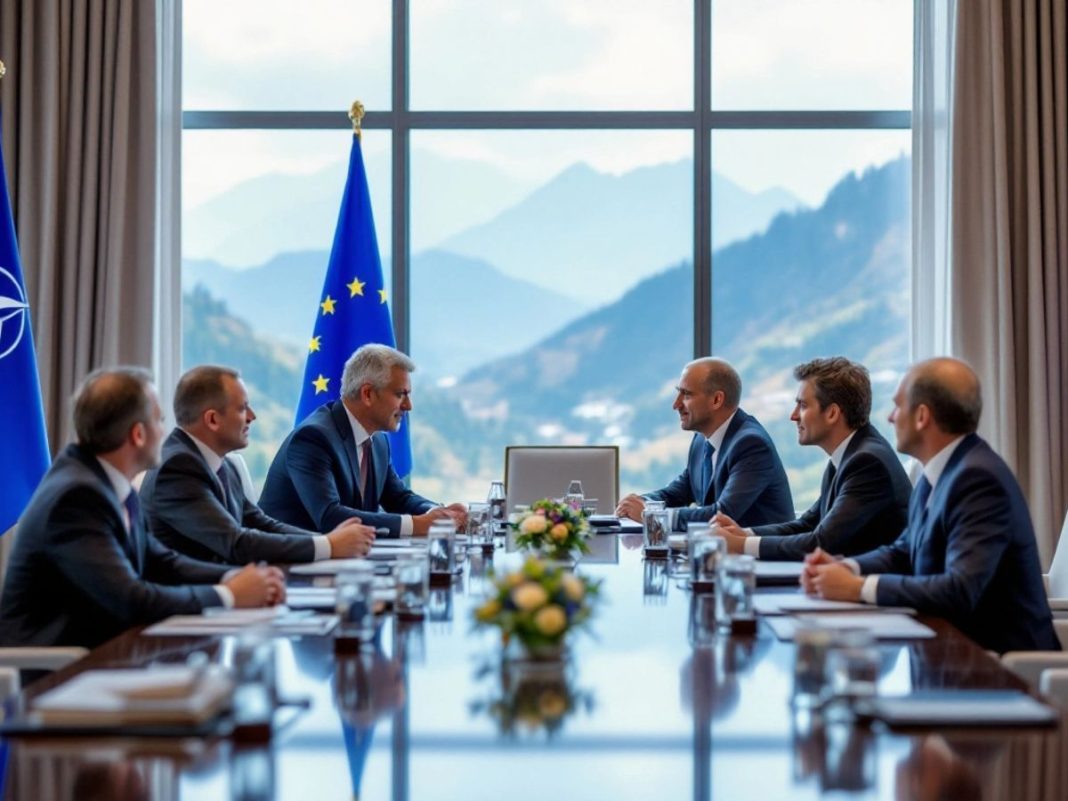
(412, 584)
(574, 496)
(707, 551)
(355, 601)
(441, 549)
(735, 583)
(853, 665)
(656, 525)
(479, 530)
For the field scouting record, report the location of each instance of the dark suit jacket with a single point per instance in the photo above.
(971, 556)
(189, 512)
(77, 577)
(749, 483)
(864, 505)
(314, 479)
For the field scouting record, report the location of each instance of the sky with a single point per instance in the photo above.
(550, 54)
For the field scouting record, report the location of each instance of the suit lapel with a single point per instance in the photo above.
(344, 430)
(714, 485)
(130, 541)
(927, 517)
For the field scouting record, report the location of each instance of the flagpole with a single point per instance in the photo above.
(356, 112)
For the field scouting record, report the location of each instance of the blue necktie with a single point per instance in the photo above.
(922, 493)
(918, 515)
(706, 471)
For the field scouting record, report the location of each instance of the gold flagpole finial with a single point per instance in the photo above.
(3, 69)
(356, 113)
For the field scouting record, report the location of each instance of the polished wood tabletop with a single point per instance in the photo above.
(644, 705)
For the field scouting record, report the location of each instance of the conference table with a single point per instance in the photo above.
(635, 710)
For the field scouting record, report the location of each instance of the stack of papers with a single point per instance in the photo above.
(882, 625)
(778, 572)
(279, 619)
(172, 695)
(326, 597)
(795, 603)
(962, 708)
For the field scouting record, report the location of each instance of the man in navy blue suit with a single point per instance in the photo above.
(864, 496)
(732, 467)
(968, 553)
(335, 465)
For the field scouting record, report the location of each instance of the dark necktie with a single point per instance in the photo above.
(826, 499)
(365, 474)
(706, 470)
(224, 480)
(918, 515)
(922, 493)
(133, 540)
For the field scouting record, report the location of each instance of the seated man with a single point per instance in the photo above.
(864, 497)
(84, 566)
(968, 553)
(733, 466)
(335, 464)
(195, 501)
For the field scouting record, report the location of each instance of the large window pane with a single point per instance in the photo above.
(816, 54)
(564, 315)
(559, 54)
(277, 54)
(259, 213)
(828, 276)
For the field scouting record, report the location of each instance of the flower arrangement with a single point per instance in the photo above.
(554, 528)
(538, 605)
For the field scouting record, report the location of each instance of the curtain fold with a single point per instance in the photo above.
(79, 134)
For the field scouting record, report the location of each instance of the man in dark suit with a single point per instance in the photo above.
(732, 467)
(85, 567)
(864, 496)
(335, 464)
(195, 499)
(968, 553)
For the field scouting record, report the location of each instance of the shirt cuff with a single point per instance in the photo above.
(869, 590)
(406, 526)
(752, 545)
(322, 548)
(226, 595)
(852, 565)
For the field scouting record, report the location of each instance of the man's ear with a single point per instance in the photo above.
(138, 434)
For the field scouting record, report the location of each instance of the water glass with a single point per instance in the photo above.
(813, 642)
(441, 548)
(573, 497)
(694, 529)
(735, 583)
(412, 584)
(654, 505)
(852, 668)
(589, 506)
(498, 503)
(355, 601)
(479, 526)
(656, 525)
(707, 550)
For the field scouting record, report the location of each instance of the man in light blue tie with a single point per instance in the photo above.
(968, 553)
(732, 467)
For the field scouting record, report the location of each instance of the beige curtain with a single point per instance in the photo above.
(79, 136)
(1009, 232)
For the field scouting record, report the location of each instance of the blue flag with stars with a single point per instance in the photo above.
(353, 310)
(22, 429)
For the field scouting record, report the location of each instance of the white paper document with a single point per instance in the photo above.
(962, 708)
(778, 570)
(232, 621)
(883, 626)
(793, 603)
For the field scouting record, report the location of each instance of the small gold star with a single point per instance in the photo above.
(328, 305)
(356, 287)
(381, 296)
(320, 384)
(313, 345)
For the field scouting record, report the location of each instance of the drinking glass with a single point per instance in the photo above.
(479, 527)
(708, 549)
(656, 525)
(812, 643)
(735, 583)
(573, 497)
(498, 503)
(853, 665)
(412, 583)
(355, 601)
(441, 549)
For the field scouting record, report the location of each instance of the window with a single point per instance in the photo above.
(589, 207)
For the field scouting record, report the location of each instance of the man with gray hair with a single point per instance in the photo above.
(85, 566)
(336, 464)
(732, 467)
(195, 498)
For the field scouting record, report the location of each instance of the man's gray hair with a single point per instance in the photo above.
(372, 364)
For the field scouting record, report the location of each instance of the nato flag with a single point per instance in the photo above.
(22, 430)
(353, 310)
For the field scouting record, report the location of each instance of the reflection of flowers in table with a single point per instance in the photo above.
(538, 605)
(530, 696)
(554, 528)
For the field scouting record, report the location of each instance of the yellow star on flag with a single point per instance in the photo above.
(381, 296)
(320, 384)
(328, 305)
(356, 287)
(313, 345)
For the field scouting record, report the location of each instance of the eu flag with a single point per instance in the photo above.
(353, 310)
(22, 429)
